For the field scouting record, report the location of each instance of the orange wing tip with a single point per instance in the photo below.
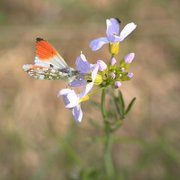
(44, 49)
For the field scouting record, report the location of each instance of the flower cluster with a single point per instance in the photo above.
(99, 74)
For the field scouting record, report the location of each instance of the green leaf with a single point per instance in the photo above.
(130, 105)
(120, 105)
(121, 100)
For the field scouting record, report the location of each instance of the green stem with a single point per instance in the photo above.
(103, 109)
(108, 162)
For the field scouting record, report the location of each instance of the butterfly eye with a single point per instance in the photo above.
(51, 65)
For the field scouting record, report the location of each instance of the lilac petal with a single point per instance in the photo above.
(127, 30)
(77, 113)
(87, 88)
(94, 69)
(114, 38)
(98, 43)
(82, 65)
(112, 28)
(77, 82)
(70, 98)
(129, 58)
(102, 65)
(64, 92)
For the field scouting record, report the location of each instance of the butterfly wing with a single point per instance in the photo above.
(48, 63)
(46, 53)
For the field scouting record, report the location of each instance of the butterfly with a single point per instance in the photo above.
(49, 64)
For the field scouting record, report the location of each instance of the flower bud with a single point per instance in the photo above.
(129, 58)
(113, 75)
(117, 84)
(113, 61)
(130, 74)
(102, 65)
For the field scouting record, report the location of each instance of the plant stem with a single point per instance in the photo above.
(103, 110)
(108, 162)
(109, 167)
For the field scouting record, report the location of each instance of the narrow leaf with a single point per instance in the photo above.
(130, 105)
(121, 100)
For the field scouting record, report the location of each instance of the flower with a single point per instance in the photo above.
(113, 33)
(86, 71)
(72, 100)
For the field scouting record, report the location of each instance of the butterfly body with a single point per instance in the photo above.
(49, 64)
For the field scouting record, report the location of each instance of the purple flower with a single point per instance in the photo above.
(84, 68)
(72, 100)
(113, 33)
(129, 58)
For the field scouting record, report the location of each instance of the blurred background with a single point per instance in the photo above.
(38, 137)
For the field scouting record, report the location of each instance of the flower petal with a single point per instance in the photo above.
(112, 28)
(98, 43)
(77, 82)
(77, 113)
(70, 98)
(94, 69)
(63, 92)
(127, 30)
(82, 65)
(87, 88)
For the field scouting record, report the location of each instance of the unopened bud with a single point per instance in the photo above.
(113, 61)
(102, 65)
(117, 84)
(129, 58)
